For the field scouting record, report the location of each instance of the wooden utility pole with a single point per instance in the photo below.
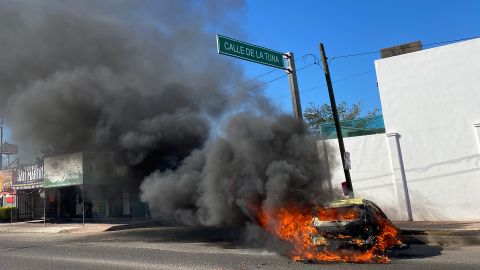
(292, 78)
(333, 105)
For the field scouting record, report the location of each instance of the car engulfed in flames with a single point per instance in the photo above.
(353, 230)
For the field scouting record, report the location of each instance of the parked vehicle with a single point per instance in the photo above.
(354, 224)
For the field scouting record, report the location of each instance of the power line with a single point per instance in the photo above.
(412, 46)
(330, 59)
(260, 85)
(315, 62)
(334, 82)
(280, 77)
(252, 79)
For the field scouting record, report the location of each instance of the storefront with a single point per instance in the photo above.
(94, 181)
(28, 184)
(7, 194)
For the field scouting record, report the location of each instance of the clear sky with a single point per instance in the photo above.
(347, 27)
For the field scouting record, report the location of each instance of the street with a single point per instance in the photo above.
(191, 248)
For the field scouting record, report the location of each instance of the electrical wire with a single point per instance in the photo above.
(258, 86)
(317, 63)
(303, 58)
(324, 84)
(412, 46)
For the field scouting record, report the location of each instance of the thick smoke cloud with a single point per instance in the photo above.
(257, 161)
(143, 79)
(131, 76)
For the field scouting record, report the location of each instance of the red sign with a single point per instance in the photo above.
(10, 199)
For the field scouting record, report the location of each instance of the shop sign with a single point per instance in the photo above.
(28, 177)
(6, 177)
(64, 170)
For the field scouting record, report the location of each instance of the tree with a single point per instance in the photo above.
(318, 115)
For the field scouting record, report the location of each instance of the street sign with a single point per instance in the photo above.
(249, 52)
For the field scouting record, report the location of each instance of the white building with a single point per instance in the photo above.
(427, 165)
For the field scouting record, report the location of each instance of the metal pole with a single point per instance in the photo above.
(44, 206)
(44, 196)
(11, 215)
(292, 78)
(1, 144)
(83, 207)
(336, 120)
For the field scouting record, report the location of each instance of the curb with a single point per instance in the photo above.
(441, 237)
(151, 223)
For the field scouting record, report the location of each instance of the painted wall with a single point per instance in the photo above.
(371, 170)
(432, 99)
(427, 166)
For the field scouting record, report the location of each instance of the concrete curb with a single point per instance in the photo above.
(146, 224)
(441, 237)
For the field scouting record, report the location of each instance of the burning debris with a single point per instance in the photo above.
(345, 231)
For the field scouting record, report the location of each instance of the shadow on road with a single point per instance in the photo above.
(418, 251)
(236, 237)
(178, 234)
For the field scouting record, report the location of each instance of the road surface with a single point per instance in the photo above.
(190, 248)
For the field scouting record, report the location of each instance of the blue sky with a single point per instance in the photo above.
(347, 27)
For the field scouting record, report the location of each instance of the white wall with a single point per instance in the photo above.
(432, 99)
(371, 172)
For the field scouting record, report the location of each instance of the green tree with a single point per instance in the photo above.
(316, 115)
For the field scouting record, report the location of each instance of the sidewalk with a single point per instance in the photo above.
(440, 232)
(415, 232)
(37, 226)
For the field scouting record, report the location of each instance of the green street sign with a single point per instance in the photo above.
(249, 52)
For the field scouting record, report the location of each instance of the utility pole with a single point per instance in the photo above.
(292, 78)
(333, 105)
(1, 143)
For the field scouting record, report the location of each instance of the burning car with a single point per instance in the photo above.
(354, 224)
(353, 230)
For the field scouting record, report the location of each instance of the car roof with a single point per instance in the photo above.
(345, 202)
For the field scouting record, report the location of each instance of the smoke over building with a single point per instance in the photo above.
(137, 78)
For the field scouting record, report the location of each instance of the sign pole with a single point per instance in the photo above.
(83, 207)
(44, 196)
(336, 120)
(1, 144)
(11, 215)
(292, 78)
(44, 206)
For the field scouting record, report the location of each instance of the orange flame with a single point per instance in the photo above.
(294, 224)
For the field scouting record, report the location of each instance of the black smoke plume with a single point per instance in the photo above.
(256, 162)
(143, 79)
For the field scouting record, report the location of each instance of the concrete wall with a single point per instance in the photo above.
(432, 99)
(431, 108)
(372, 174)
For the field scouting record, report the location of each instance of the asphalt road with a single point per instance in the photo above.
(190, 248)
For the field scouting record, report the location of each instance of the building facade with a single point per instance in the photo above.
(427, 164)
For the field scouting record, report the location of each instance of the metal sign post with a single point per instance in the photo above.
(292, 78)
(44, 206)
(83, 207)
(44, 197)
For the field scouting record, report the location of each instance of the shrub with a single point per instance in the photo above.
(5, 212)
